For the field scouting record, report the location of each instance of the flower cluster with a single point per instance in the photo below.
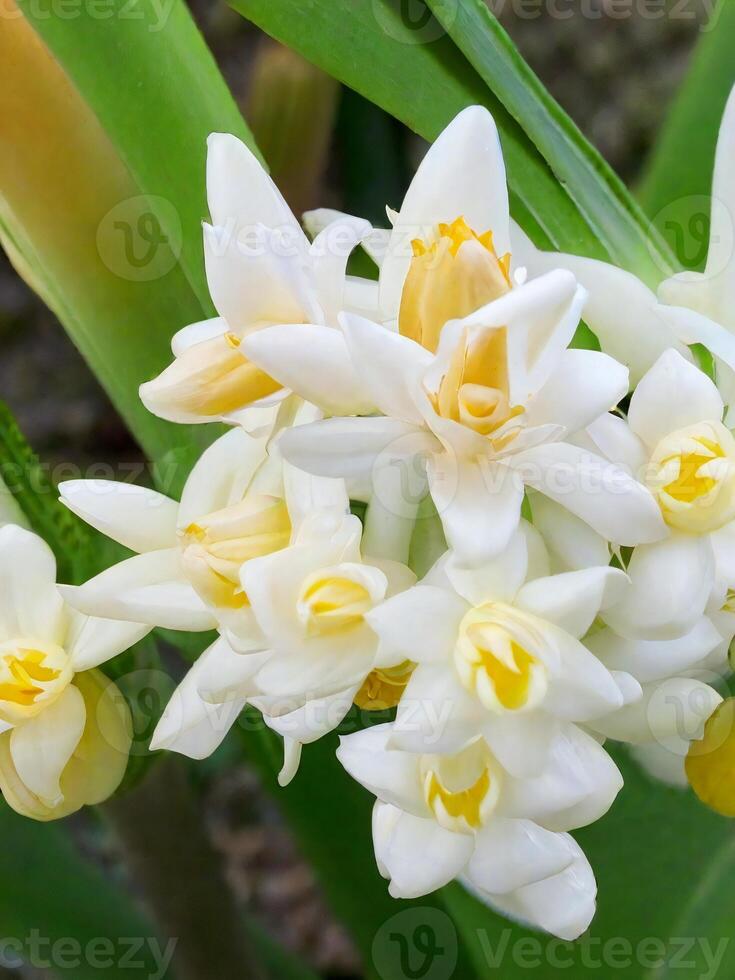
(429, 500)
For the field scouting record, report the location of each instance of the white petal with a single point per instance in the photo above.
(391, 775)
(659, 762)
(613, 438)
(563, 904)
(619, 309)
(522, 742)
(479, 503)
(136, 517)
(572, 600)
(257, 283)
(330, 251)
(571, 542)
(462, 175)
(671, 582)
(580, 688)
(313, 719)
(241, 194)
(421, 623)
(350, 447)
(417, 855)
(42, 746)
(435, 713)
(148, 588)
(650, 660)
(510, 854)
(221, 475)
(93, 641)
(30, 604)
(679, 707)
(673, 395)
(190, 725)
(313, 361)
(196, 333)
(576, 787)
(389, 365)
(585, 385)
(500, 578)
(600, 493)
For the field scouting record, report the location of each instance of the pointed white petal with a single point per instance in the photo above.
(673, 395)
(585, 385)
(571, 542)
(148, 588)
(600, 493)
(510, 854)
(420, 623)
(462, 175)
(314, 362)
(136, 517)
(93, 641)
(30, 604)
(392, 775)
(572, 600)
(671, 582)
(479, 503)
(195, 333)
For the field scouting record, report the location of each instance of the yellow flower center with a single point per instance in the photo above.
(451, 275)
(493, 662)
(32, 675)
(216, 546)
(384, 686)
(461, 790)
(475, 389)
(692, 475)
(330, 602)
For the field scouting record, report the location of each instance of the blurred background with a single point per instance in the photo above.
(614, 76)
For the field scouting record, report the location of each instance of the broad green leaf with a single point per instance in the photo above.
(82, 217)
(416, 73)
(678, 176)
(600, 195)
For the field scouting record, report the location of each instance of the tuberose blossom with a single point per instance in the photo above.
(261, 269)
(66, 729)
(477, 381)
(439, 817)
(498, 655)
(314, 653)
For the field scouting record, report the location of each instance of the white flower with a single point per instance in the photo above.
(634, 324)
(66, 729)
(261, 269)
(439, 817)
(238, 503)
(498, 654)
(314, 654)
(478, 381)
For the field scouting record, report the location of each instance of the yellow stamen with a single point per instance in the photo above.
(334, 602)
(384, 686)
(447, 281)
(461, 790)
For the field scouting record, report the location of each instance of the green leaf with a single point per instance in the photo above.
(417, 74)
(102, 197)
(599, 194)
(680, 165)
(34, 492)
